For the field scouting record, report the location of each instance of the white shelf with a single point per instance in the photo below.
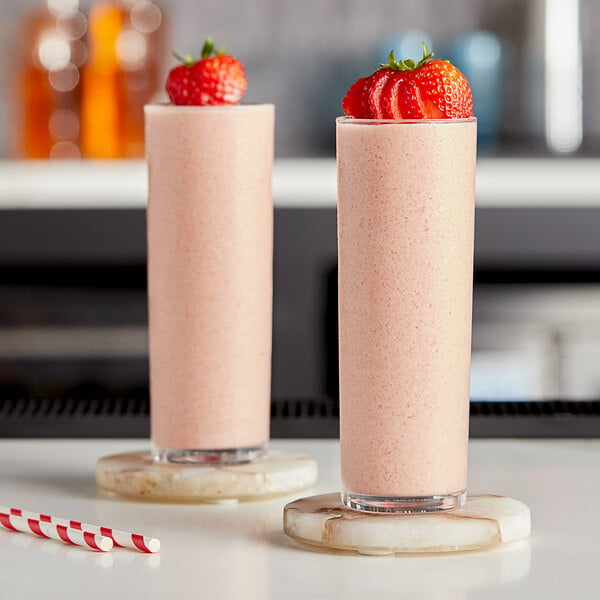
(123, 184)
(507, 182)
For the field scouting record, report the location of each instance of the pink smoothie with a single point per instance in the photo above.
(210, 247)
(405, 227)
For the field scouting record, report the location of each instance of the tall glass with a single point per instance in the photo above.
(405, 244)
(210, 248)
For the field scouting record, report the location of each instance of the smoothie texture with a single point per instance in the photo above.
(405, 243)
(210, 246)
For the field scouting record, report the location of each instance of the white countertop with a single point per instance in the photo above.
(297, 183)
(240, 552)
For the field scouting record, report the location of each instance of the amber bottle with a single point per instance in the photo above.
(51, 55)
(122, 73)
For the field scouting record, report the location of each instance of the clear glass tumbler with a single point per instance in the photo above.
(210, 254)
(405, 245)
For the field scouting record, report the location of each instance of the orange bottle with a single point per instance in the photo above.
(51, 54)
(122, 74)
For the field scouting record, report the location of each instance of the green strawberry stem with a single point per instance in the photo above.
(188, 60)
(407, 64)
(208, 50)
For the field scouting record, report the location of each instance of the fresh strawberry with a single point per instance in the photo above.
(391, 103)
(445, 92)
(217, 78)
(373, 90)
(429, 89)
(352, 104)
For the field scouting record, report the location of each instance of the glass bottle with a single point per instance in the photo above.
(122, 73)
(51, 55)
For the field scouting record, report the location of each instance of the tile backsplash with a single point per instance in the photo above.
(303, 55)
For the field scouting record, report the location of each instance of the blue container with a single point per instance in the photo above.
(480, 56)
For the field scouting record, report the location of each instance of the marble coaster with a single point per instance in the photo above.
(136, 475)
(484, 521)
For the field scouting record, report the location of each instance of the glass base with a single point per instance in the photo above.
(404, 505)
(227, 456)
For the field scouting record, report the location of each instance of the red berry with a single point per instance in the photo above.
(410, 101)
(373, 92)
(352, 104)
(217, 78)
(430, 89)
(390, 101)
(445, 91)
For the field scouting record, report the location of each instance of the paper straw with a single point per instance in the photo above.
(53, 531)
(134, 541)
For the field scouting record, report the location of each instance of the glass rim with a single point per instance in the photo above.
(344, 120)
(165, 106)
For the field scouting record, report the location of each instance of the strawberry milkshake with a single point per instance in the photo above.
(210, 246)
(405, 241)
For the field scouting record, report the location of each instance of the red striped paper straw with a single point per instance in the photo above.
(53, 531)
(134, 541)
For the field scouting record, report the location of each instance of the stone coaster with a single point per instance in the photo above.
(484, 521)
(136, 475)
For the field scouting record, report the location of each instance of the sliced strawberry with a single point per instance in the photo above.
(390, 102)
(373, 91)
(403, 89)
(352, 104)
(386, 97)
(410, 100)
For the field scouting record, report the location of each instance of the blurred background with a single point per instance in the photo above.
(75, 76)
(527, 60)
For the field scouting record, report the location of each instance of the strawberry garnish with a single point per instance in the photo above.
(429, 89)
(352, 104)
(373, 92)
(391, 98)
(216, 78)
